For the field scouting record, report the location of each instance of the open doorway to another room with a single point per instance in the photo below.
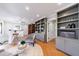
(52, 33)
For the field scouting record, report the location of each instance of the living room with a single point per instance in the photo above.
(35, 29)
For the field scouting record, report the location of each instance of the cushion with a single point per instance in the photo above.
(29, 40)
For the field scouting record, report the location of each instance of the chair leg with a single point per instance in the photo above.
(33, 44)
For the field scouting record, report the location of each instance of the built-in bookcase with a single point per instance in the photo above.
(68, 22)
(40, 25)
(68, 30)
(41, 29)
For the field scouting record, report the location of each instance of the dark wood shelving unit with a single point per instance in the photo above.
(31, 28)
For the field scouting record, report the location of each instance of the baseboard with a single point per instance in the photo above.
(64, 52)
(52, 39)
(41, 40)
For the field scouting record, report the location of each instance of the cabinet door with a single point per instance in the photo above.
(60, 43)
(40, 36)
(72, 47)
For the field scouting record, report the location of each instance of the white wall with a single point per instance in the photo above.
(3, 33)
(52, 30)
(24, 28)
(6, 25)
(52, 27)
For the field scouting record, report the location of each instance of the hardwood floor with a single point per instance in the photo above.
(49, 49)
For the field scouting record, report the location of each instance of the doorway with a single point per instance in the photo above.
(52, 30)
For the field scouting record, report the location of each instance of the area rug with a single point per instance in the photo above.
(33, 51)
(30, 51)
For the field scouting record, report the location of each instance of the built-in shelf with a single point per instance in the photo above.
(68, 21)
(41, 29)
(40, 25)
(68, 14)
(69, 29)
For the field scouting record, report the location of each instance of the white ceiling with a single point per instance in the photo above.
(18, 9)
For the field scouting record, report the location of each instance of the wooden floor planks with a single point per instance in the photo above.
(49, 49)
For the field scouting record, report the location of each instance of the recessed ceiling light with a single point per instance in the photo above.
(37, 15)
(27, 8)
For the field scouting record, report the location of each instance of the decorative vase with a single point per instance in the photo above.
(22, 45)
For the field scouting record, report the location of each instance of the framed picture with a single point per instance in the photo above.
(18, 27)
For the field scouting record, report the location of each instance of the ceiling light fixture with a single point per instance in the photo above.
(37, 15)
(27, 8)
